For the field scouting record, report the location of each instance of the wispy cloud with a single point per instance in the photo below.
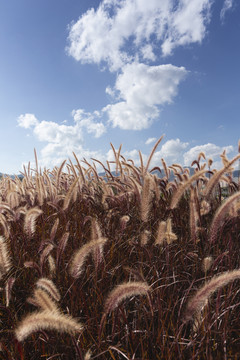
(227, 5)
(150, 140)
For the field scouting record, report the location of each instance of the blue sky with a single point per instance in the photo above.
(77, 75)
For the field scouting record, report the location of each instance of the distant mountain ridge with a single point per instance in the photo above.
(171, 178)
(11, 176)
(236, 174)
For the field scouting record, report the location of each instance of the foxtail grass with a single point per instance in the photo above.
(47, 320)
(5, 259)
(124, 291)
(146, 199)
(161, 233)
(48, 286)
(200, 299)
(43, 300)
(217, 176)
(220, 214)
(183, 187)
(30, 220)
(207, 263)
(78, 259)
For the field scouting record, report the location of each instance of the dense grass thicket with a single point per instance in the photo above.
(126, 266)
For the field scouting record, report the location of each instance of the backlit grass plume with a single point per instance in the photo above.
(99, 237)
(49, 287)
(165, 232)
(169, 235)
(196, 304)
(124, 291)
(47, 320)
(30, 220)
(145, 199)
(77, 262)
(220, 214)
(43, 300)
(207, 263)
(160, 233)
(5, 260)
(193, 218)
(183, 187)
(217, 176)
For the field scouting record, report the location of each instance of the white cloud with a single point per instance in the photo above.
(171, 151)
(211, 151)
(53, 154)
(142, 89)
(128, 155)
(147, 52)
(227, 5)
(105, 34)
(187, 24)
(63, 139)
(52, 132)
(150, 140)
(125, 34)
(86, 120)
(27, 120)
(174, 151)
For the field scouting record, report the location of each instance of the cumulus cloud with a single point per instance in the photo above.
(178, 152)
(171, 151)
(141, 89)
(27, 120)
(63, 139)
(132, 155)
(227, 5)
(211, 151)
(126, 36)
(104, 34)
(87, 120)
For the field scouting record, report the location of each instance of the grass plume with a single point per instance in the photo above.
(199, 300)
(46, 320)
(77, 262)
(30, 220)
(49, 287)
(5, 260)
(124, 291)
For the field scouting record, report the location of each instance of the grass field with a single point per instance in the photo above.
(126, 266)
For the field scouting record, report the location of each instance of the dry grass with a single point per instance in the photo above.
(79, 254)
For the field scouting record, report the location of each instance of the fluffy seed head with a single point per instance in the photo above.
(207, 263)
(196, 304)
(46, 320)
(5, 261)
(124, 291)
(49, 287)
(145, 235)
(80, 255)
(30, 220)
